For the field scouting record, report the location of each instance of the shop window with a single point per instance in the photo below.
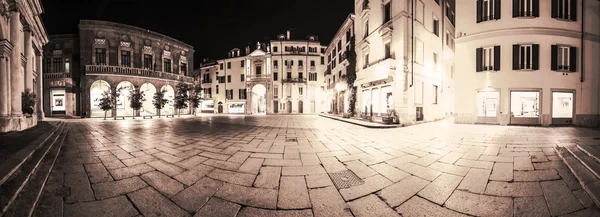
(524, 104)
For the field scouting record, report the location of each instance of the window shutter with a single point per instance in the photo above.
(573, 12)
(478, 59)
(479, 10)
(497, 58)
(536, 8)
(497, 9)
(515, 6)
(516, 56)
(573, 59)
(554, 58)
(535, 56)
(554, 8)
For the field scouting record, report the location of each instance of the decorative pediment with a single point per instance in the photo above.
(167, 54)
(365, 13)
(386, 33)
(257, 53)
(364, 46)
(100, 41)
(183, 59)
(147, 48)
(57, 52)
(125, 44)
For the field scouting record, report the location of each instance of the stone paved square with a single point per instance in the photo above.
(213, 165)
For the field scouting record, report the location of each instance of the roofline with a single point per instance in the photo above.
(350, 17)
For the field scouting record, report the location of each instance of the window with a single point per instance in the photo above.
(436, 26)
(419, 52)
(387, 12)
(275, 92)
(526, 8)
(229, 79)
(275, 49)
(365, 4)
(435, 94)
(167, 66)
(366, 63)
(450, 40)
(48, 65)
(67, 65)
(221, 79)
(348, 36)
(221, 66)
(242, 93)
(100, 56)
(312, 63)
(366, 28)
(57, 65)
(275, 77)
(258, 70)
(300, 63)
(323, 50)
(488, 59)
(300, 75)
(289, 75)
(526, 57)
(275, 64)
(126, 58)
(488, 10)
(147, 61)
(217, 89)
(564, 9)
(312, 76)
(435, 61)
(419, 14)
(289, 91)
(242, 77)
(229, 94)
(229, 65)
(183, 68)
(450, 13)
(388, 53)
(322, 60)
(242, 63)
(564, 58)
(300, 91)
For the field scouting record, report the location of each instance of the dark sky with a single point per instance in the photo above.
(213, 27)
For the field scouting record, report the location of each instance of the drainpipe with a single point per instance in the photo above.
(412, 46)
(281, 50)
(582, 40)
(443, 20)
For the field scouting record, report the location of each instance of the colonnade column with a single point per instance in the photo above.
(40, 83)
(16, 74)
(5, 52)
(27, 51)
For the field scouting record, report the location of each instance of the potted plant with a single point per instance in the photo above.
(391, 117)
(28, 102)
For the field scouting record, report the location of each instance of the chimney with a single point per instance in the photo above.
(247, 49)
(288, 35)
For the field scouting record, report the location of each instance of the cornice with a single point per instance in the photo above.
(526, 31)
(5, 47)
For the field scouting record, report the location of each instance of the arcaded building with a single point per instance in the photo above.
(22, 36)
(282, 76)
(529, 63)
(106, 56)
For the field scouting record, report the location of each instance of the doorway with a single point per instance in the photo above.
(259, 101)
(220, 108)
(58, 101)
(487, 107)
(289, 107)
(563, 107)
(276, 107)
(300, 107)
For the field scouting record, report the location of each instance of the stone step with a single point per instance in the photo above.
(592, 165)
(14, 182)
(591, 151)
(588, 181)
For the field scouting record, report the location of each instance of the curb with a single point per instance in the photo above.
(362, 125)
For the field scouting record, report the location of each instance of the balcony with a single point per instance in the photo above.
(288, 67)
(117, 70)
(313, 68)
(206, 81)
(328, 71)
(300, 67)
(293, 80)
(59, 75)
(259, 76)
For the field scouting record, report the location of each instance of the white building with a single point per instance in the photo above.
(403, 63)
(339, 64)
(280, 76)
(535, 62)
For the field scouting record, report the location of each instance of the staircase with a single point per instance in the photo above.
(584, 162)
(23, 176)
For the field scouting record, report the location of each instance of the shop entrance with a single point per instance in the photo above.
(563, 108)
(487, 107)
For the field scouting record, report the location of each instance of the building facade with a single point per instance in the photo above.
(405, 57)
(340, 64)
(282, 76)
(22, 36)
(528, 62)
(105, 57)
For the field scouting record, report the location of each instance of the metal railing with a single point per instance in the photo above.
(56, 75)
(103, 69)
(294, 80)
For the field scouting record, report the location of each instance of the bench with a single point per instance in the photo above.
(147, 116)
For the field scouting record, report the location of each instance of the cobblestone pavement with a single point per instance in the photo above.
(281, 166)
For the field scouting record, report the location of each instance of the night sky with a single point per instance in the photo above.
(213, 27)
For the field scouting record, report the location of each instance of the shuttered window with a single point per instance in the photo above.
(488, 59)
(564, 58)
(526, 57)
(488, 10)
(564, 9)
(526, 8)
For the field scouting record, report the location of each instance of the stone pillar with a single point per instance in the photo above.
(5, 53)
(16, 74)
(27, 51)
(40, 83)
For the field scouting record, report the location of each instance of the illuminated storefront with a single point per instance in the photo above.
(236, 107)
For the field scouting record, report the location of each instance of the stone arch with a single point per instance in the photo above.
(288, 106)
(300, 107)
(259, 99)
(96, 90)
(169, 108)
(123, 105)
(148, 90)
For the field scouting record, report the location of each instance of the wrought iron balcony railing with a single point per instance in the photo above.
(56, 75)
(294, 80)
(117, 70)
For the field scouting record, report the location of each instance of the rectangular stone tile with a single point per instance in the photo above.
(440, 189)
(70, 168)
(79, 187)
(372, 184)
(538, 157)
(327, 202)
(112, 163)
(423, 172)
(152, 203)
(268, 177)
(291, 153)
(239, 157)
(217, 156)
(117, 207)
(475, 164)
(232, 177)
(251, 165)
(480, 205)
(318, 181)
(502, 172)
(399, 192)
(266, 156)
(282, 162)
(293, 193)
(427, 160)
(360, 169)
(560, 198)
(583, 197)
(193, 197)
(249, 196)
(332, 154)
(531, 206)
(451, 157)
(523, 163)
(332, 165)
(162, 183)
(448, 168)
(138, 160)
(513, 154)
(252, 212)
(496, 158)
(536, 175)
(417, 206)
(309, 159)
(191, 162)
(166, 168)
(513, 189)
(352, 157)
(370, 206)
(126, 172)
(389, 172)
(120, 154)
(190, 176)
(97, 173)
(399, 161)
(415, 152)
(167, 157)
(116, 188)
(475, 181)
(218, 207)
(493, 151)
(226, 165)
(303, 170)
(473, 154)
